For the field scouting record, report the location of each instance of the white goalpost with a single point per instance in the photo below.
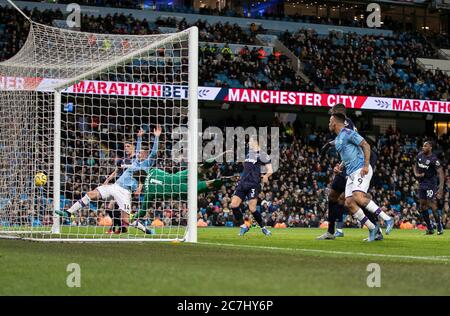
(84, 109)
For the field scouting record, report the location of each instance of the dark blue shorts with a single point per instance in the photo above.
(247, 190)
(339, 182)
(427, 192)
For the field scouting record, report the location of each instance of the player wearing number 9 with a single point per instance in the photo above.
(426, 168)
(355, 154)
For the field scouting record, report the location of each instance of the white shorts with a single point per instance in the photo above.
(120, 195)
(357, 183)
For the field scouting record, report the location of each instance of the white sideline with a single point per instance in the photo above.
(362, 254)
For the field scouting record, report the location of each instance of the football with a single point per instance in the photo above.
(40, 179)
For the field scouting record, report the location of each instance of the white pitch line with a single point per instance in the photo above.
(363, 254)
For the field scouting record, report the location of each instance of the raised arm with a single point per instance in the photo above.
(139, 143)
(157, 133)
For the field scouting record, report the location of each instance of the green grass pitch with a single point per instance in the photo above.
(290, 262)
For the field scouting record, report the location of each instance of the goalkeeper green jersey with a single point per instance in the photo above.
(161, 184)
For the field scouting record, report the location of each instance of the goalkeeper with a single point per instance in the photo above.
(161, 184)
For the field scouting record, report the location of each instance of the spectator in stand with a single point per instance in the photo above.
(369, 65)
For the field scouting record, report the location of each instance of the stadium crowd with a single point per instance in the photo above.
(388, 22)
(248, 68)
(338, 63)
(369, 65)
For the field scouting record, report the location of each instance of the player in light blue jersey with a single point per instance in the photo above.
(355, 154)
(336, 196)
(127, 183)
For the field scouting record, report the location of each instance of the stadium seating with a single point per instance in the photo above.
(369, 65)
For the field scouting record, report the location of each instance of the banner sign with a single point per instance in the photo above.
(327, 100)
(229, 95)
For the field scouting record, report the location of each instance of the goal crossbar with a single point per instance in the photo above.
(190, 35)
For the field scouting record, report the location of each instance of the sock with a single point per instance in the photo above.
(116, 219)
(258, 218)
(438, 219)
(373, 208)
(332, 216)
(123, 226)
(237, 215)
(362, 218)
(373, 218)
(439, 224)
(79, 204)
(426, 218)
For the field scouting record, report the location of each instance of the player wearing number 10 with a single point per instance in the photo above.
(425, 169)
(355, 154)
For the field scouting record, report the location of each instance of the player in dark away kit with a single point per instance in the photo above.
(426, 168)
(250, 184)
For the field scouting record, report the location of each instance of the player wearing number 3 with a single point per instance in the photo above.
(256, 162)
(126, 184)
(355, 154)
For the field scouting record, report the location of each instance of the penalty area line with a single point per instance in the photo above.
(333, 252)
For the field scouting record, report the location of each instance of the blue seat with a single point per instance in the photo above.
(424, 90)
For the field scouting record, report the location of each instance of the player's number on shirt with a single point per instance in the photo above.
(430, 193)
(252, 193)
(360, 181)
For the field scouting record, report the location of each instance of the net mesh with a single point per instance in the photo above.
(117, 92)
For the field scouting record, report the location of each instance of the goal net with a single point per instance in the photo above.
(92, 112)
